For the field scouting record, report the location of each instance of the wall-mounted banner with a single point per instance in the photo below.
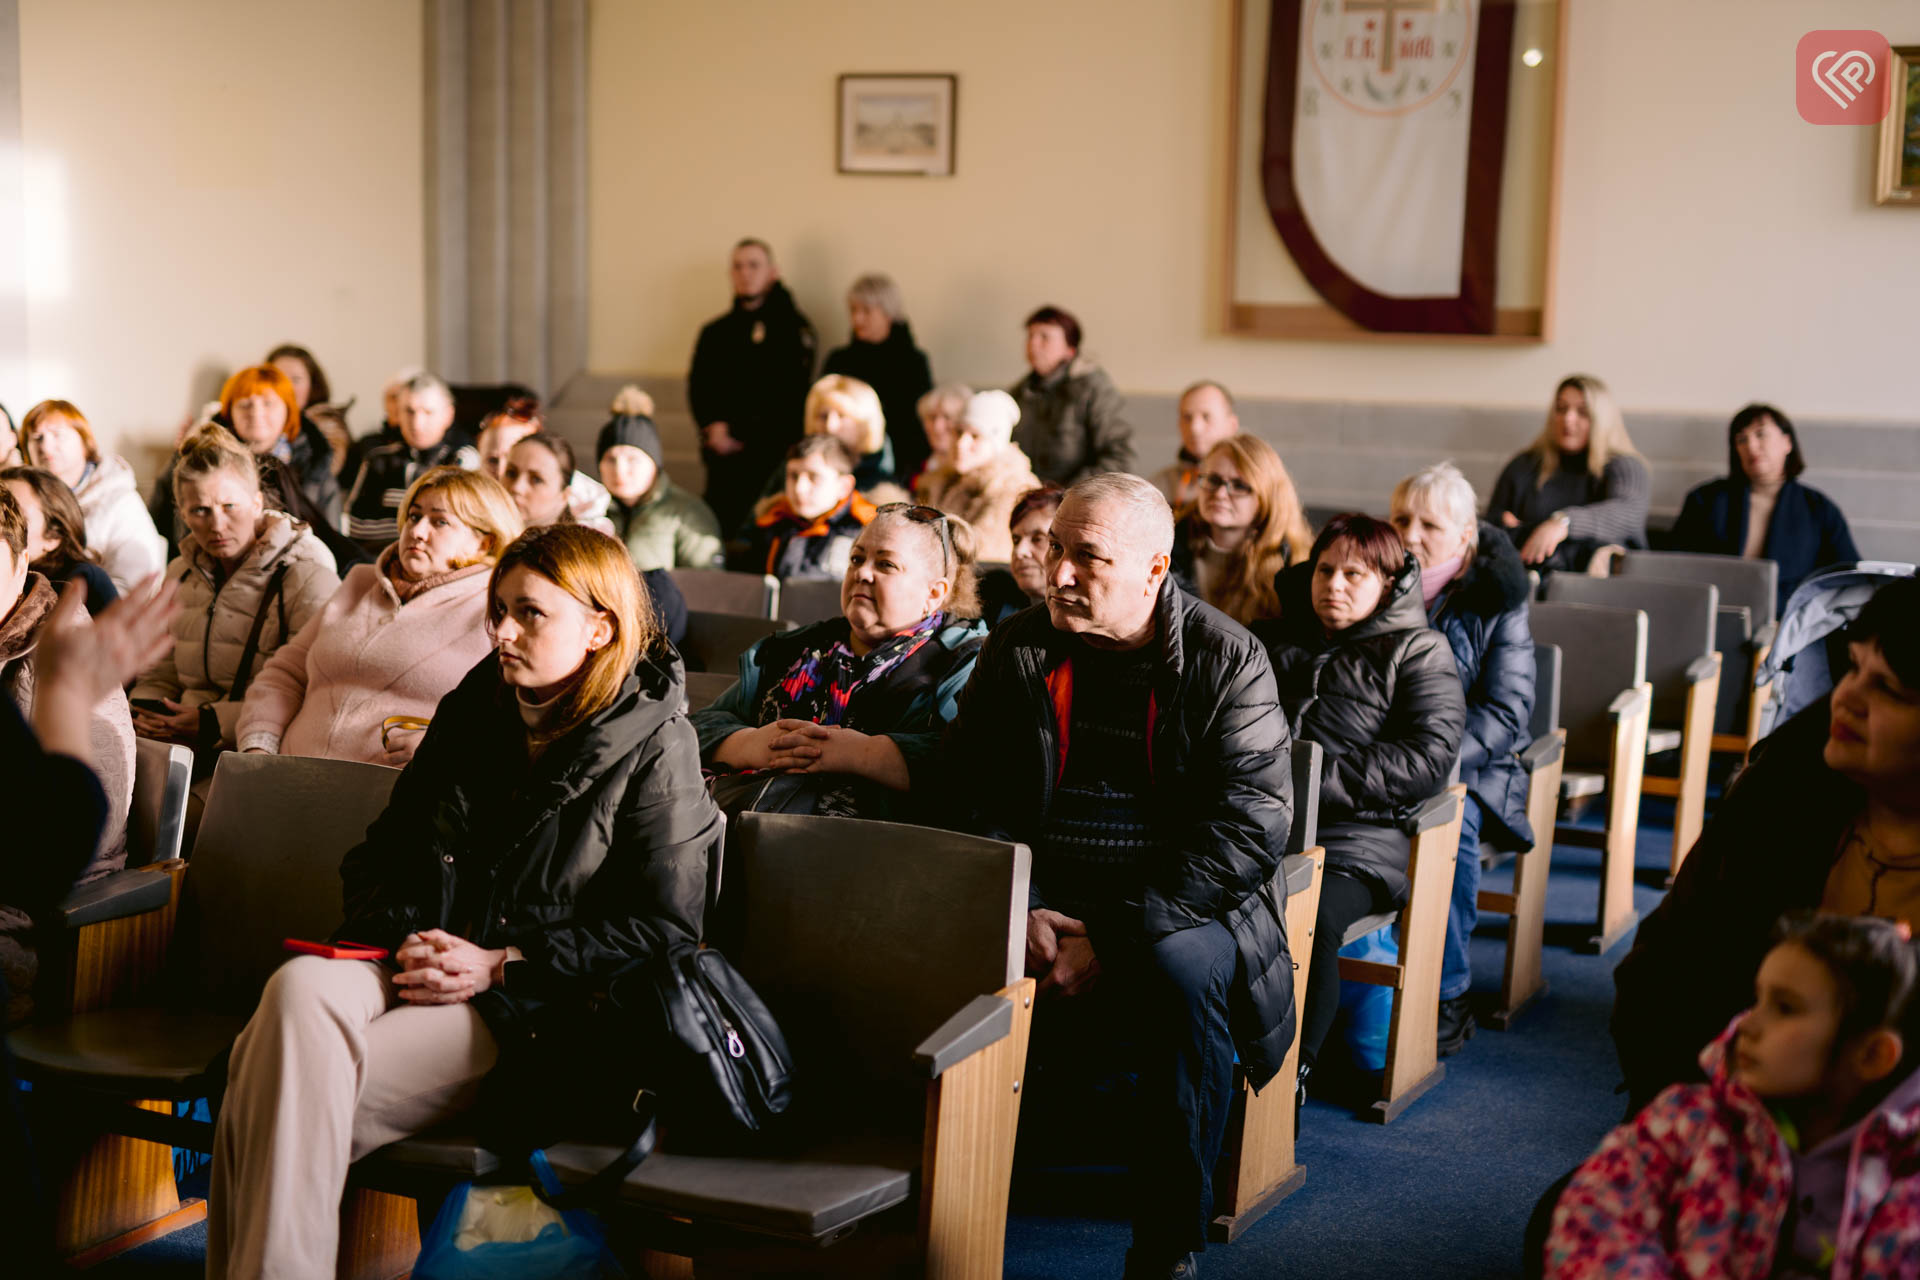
(1385, 138)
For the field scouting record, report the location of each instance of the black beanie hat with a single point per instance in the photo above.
(634, 429)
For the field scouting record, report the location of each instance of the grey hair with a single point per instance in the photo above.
(954, 393)
(1145, 516)
(878, 290)
(399, 380)
(1444, 489)
(424, 381)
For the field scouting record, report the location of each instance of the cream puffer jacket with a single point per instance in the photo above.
(216, 616)
(119, 529)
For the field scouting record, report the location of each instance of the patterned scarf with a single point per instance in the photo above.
(822, 680)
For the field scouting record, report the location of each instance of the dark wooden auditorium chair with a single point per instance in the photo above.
(809, 599)
(725, 591)
(1605, 702)
(1684, 669)
(894, 959)
(715, 641)
(1257, 1169)
(265, 866)
(1526, 904)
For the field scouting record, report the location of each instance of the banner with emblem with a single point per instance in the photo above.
(1385, 132)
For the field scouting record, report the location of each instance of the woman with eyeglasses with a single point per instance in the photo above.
(862, 698)
(1243, 526)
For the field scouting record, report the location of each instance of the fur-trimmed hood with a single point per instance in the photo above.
(1494, 581)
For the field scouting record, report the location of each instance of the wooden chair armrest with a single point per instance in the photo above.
(1544, 751)
(1628, 701)
(115, 897)
(1703, 668)
(1436, 811)
(985, 1020)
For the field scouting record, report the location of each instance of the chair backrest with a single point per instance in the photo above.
(704, 686)
(863, 937)
(1308, 760)
(162, 772)
(715, 641)
(1605, 654)
(1546, 691)
(809, 599)
(1753, 583)
(724, 591)
(1681, 619)
(266, 864)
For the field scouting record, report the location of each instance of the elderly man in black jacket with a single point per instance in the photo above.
(1157, 798)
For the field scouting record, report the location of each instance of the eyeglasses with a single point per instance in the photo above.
(922, 514)
(1213, 481)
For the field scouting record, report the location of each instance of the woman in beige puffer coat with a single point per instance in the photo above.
(242, 569)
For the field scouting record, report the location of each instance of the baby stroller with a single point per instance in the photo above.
(1811, 643)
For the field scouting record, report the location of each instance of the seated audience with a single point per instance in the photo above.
(539, 468)
(57, 534)
(1245, 526)
(1824, 816)
(27, 603)
(662, 525)
(508, 426)
(428, 439)
(249, 579)
(808, 530)
(551, 831)
(880, 353)
(749, 378)
(58, 439)
(392, 396)
(1206, 418)
(361, 680)
(1475, 590)
(1072, 418)
(861, 698)
(849, 411)
(1579, 487)
(1360, 673)
(1023, 583)
(939, 412)
(314, 397)
(1157, 806)
(988, 474)
(1760, 510)
(1799, 1156)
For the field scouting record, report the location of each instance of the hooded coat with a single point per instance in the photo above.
(1483, 615)
(984, 497)
(1220, 755)
(217, 614)
(1073, 423)
(588, 859)
(1701, 1181)
(899, 374)
(781, 543)
(1383, 700)
(119, 528)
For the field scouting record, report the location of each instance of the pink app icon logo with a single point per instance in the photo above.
(1840, 77)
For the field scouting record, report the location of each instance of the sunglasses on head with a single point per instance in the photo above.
(920, 513)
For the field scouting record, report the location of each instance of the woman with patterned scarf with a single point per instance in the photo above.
(860, 700)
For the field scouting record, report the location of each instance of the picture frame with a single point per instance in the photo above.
(897, 124)
(1897, 175)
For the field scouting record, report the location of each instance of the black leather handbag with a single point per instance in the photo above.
(702, 1044)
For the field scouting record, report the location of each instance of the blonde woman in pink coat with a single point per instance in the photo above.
(362, 679)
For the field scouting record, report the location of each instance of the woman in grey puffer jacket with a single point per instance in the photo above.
(1361, 673)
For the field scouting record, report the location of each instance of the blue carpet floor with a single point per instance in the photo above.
(1442, 1192)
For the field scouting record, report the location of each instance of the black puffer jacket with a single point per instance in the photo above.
(1483, 615)
(1221, 761)
(590, 858)
(1382, 699)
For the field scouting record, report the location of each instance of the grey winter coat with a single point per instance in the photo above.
(1073, 423)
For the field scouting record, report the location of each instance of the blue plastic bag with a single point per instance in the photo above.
(508, 1233)
(1366, 1011)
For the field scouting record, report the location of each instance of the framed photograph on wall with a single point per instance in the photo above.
(897, 124)
(1898, 173)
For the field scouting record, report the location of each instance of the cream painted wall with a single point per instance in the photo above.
(207, 179)
(1713, 248)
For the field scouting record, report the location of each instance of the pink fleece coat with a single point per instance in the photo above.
(1699, 1183)
(364, 658)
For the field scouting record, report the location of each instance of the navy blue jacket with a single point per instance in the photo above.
(1807, 532)
(1483, 615)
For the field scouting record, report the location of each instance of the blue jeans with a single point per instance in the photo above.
(1456, 962)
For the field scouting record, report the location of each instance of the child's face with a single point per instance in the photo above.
(1785, 1044)
(814, 488)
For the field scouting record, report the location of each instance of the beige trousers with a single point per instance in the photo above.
(331, 1067)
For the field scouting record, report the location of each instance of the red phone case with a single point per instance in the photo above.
(336, 950)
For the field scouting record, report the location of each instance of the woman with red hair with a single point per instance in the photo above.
(57, 438)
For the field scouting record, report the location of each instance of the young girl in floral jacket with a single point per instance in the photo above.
(1801, 1155)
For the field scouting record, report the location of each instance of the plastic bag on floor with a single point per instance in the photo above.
(1366, 1011)
(507, 1233)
